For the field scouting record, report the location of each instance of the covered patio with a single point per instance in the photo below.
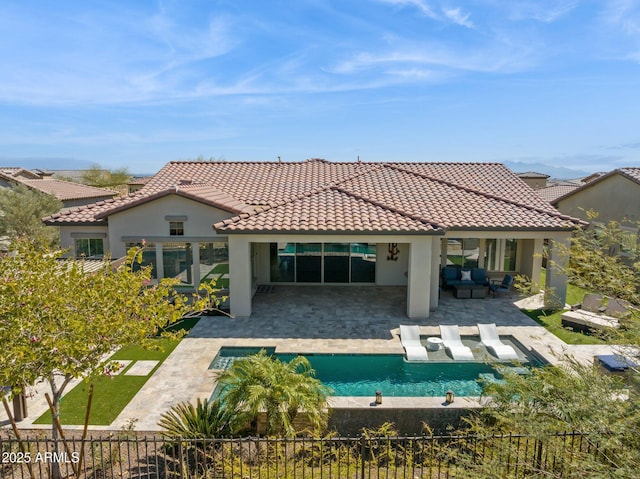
(356, 312)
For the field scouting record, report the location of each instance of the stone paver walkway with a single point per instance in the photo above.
(141, 368)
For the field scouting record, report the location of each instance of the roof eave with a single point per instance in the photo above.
(328, 233)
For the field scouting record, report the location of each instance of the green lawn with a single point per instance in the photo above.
(219, 274)
(111, 395)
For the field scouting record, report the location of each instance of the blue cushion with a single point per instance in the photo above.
(615, 362)
(479, 275)
(450, 273)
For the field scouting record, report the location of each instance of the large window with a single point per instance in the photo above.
(308, 262)
(148, 257)
(363, 263)
(178, 261)
(463, 252)
(89, 247)
(336, 262)
(501, 254)
(323, 262)
(214, 263)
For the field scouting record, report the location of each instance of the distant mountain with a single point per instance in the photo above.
(558, 172)
(44, 163)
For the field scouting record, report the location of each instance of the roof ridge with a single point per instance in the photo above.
(556, 213)
(388, 208)
(301, 196)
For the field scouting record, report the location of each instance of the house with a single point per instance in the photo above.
(71, 194)
(615, 196)
(319, 222)
(534, 180)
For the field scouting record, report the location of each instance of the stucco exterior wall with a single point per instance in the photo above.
(68, 235)
(614, 198)
(149, 221)
(392, 272)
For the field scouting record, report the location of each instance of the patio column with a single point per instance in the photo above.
(419, 278)
(239, 276)
(538, 250)
(556, 281)
(435, 273)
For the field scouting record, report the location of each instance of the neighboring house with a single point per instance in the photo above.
(615, 196)
(555, 190)
(71, 194)
(317, 222)
(136, 184)
(534, 180)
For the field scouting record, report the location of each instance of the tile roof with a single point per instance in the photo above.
(63, 190)
(16, 172)
(66, 190)
(553, 192)
(316, 195)
(330, 210)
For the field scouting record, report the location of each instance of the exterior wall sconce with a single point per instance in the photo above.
(378, 397)
(449, 397)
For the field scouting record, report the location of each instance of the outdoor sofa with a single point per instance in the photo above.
(456, 276)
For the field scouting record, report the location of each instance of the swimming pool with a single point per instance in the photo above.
(364, 374)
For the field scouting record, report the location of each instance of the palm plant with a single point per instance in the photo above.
(204, 420)
(281, 389)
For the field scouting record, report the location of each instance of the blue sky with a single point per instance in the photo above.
(138, 83)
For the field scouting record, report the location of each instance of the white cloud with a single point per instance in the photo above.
(457, 17)
(546, 11)
(624, 16)
(495, 58)
(441, 13)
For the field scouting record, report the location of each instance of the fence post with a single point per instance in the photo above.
(181, 455)
(362, 453)
(538, 461)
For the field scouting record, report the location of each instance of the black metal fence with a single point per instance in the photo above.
(508, 456)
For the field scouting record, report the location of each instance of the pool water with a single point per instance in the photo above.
(364, 374)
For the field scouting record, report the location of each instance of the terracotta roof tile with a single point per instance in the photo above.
(553, 192)
(328, 211)
(66, 190)
(348, 196)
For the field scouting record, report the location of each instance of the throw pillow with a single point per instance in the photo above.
(466, 275)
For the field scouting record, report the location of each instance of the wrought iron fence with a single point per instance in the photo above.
(509, 456)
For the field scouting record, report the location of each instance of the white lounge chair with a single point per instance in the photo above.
(451, 340)
(490, 338)
(410, 339)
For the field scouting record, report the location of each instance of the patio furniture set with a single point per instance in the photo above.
(474, 283)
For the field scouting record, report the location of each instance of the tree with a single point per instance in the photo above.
(282, 390)
(595, 262)
(58, 322)
(102, 178)
(574, 396)
(21, 213)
